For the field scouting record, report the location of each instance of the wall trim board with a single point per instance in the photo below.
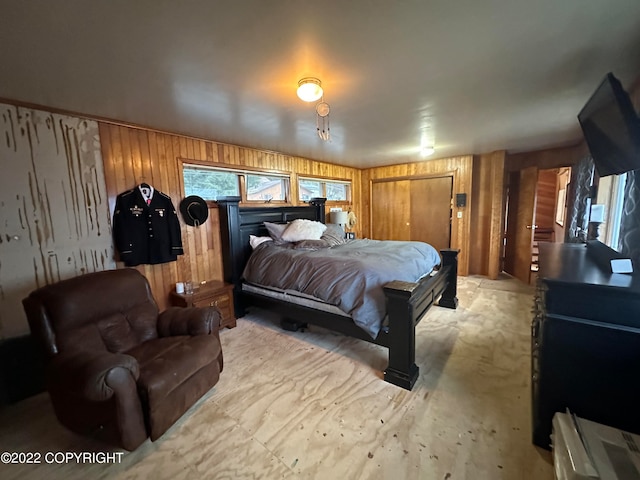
(414, 177)
(230, 166)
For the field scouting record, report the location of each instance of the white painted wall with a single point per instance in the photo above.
(54, 215)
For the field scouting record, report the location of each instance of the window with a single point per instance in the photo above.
(266, 187)
(309, 189)
(332, 190)
(611, 194)
(337, 191)
(211, 183)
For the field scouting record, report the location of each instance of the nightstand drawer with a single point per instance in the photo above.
(209, 294)
(220, 301)
(223, 302)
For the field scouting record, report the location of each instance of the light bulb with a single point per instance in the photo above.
(309, 89)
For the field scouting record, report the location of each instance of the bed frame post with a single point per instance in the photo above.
(448, 298)
(318, 204)
(229, 212)
(402, 369)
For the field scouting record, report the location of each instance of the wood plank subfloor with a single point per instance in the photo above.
(312, 405)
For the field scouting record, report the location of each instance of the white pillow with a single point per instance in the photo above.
(255, 241)
(303, 229)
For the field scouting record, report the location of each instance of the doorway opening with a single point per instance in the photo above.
(535, 211)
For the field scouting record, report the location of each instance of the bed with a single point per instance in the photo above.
(405, 302)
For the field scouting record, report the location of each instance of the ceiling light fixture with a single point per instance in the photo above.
(427, 150)
(309, 89)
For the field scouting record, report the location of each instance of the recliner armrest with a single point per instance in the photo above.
(189, 321)
(86, 373)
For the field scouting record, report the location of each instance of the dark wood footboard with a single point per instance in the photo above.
(406, 305)
(406, 302)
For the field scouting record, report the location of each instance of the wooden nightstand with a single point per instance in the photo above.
(212, 293)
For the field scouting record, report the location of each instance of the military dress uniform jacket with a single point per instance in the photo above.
(146, 234)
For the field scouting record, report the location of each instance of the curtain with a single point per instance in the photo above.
(579, 201)
(630, 222)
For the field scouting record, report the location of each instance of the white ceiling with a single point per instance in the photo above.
(470, 76)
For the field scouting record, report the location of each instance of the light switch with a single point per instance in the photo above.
(459, 214)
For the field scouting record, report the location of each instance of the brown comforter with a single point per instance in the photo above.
(349, 276)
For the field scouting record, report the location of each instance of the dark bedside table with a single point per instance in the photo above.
(212, 293)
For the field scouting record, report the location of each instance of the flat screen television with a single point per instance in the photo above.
(611, 128)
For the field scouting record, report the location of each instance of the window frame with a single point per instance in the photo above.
(241, 176)
(286, 187)
(323, 186)
(611, 194)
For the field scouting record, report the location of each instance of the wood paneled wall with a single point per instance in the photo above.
(548, 158)
(487, 219)
(562, 180)
(546, 196)
(133, 155)
(462, 170)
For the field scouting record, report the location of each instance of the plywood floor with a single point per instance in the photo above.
(313, 405)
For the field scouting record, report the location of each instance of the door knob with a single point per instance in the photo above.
(532, 227)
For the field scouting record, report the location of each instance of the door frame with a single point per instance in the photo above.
(517, 227)
(510, 213)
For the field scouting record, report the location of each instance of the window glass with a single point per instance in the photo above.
(309, 189)
(611, 195)
(265, 188)
(330, 189)
(337, 191)
(210, 184)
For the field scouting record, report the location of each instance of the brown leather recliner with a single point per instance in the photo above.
(115, 362)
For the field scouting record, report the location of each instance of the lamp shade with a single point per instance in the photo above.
(309, 89)
(339, 218)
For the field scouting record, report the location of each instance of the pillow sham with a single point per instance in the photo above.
(276, 230)
(255, 241)
(334, 235)
(303, 229)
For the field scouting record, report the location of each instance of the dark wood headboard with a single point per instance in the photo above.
(236, 224)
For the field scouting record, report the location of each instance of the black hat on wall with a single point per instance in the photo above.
(194, 210)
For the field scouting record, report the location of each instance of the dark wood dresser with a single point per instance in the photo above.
(585, 346)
